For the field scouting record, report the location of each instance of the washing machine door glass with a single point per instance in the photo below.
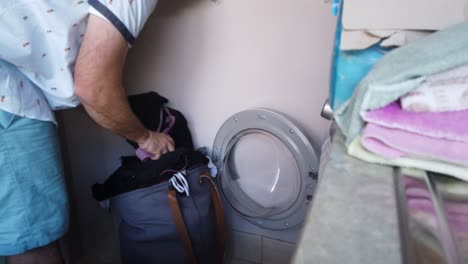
(261, 177)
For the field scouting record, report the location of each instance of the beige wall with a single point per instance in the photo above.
(212, 60)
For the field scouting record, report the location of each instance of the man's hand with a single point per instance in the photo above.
(157, 144)
(98, 83)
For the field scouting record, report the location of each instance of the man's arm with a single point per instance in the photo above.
(98, 83)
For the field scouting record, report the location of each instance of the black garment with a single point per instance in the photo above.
(138, 194)
(134, 174)
(147, 108)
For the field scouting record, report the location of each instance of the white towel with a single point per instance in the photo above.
(442, 92)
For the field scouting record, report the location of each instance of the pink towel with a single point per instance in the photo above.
(456, 213)
(392, 143)
(447, 125)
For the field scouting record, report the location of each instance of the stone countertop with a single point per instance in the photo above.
(354, 217)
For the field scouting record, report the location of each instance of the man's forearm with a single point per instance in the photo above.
(98, 80)
(98, 83)
(116, 115)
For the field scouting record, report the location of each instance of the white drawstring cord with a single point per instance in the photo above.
(179, 183)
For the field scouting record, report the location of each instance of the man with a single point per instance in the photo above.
(54, 54)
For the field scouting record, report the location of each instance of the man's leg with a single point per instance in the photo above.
(49, 254)
(33, 201)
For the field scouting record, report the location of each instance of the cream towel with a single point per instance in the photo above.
(355, 149)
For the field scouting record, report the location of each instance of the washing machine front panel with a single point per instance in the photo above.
(267, 168)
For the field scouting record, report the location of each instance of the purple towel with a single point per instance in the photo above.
(446, 125)
(392, 143)
(419, 200)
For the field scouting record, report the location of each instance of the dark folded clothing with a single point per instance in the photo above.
(150, 109)
(134, 174)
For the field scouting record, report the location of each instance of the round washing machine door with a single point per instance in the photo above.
(268, 168)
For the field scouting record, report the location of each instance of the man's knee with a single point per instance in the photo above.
(49, 254)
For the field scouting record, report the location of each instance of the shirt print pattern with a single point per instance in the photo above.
(39, 45)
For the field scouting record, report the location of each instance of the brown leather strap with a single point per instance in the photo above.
(219, 212)
(180, 225)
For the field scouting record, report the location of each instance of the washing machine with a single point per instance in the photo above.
(267, 173)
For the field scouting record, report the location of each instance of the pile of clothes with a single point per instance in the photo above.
(137, 172)
(167, 209)
(411, 110)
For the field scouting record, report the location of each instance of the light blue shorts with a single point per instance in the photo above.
(33, 200)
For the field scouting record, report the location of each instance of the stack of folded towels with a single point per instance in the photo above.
(412, 109)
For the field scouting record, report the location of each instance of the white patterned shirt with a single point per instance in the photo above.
(39, 43)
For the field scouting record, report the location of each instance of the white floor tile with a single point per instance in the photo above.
(243, 246)
(239, 261)
(277, 252)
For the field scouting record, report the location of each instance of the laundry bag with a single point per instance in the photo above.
(160, 225)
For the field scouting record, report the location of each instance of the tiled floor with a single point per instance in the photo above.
(247, 248)
(243, 248)
(239, 261)
(276, 252)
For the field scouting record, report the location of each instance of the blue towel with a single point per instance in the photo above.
(401, 71)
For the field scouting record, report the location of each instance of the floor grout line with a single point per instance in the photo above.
(261, 250)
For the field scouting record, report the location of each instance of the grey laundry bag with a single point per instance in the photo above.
(158, 225)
